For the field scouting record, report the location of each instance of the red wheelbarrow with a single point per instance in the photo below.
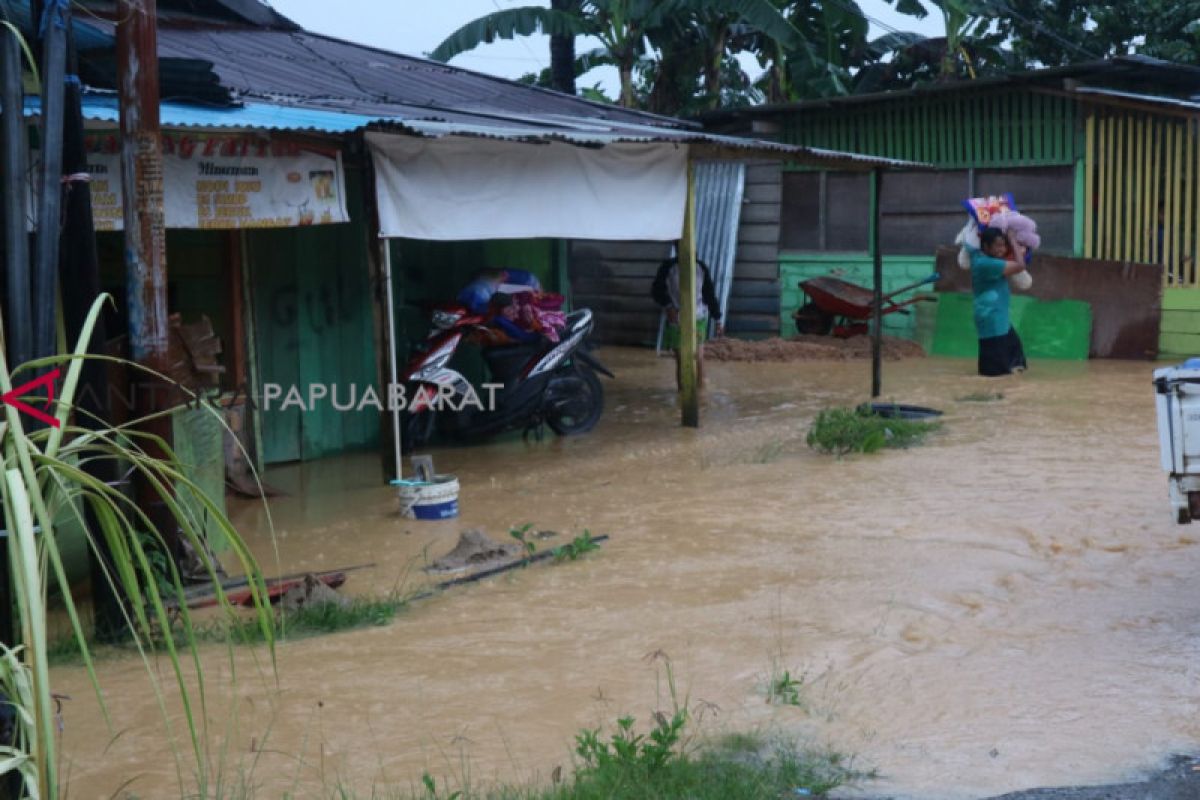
(840, 308)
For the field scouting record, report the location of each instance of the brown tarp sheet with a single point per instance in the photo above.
(1126, 298)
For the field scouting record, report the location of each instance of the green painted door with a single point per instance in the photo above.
(314, 321)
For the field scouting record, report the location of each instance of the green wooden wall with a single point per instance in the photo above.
(314, 321)
(975, 128)
(1180, 337)
(898, 271)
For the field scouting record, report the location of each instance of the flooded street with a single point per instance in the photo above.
(1008, 606)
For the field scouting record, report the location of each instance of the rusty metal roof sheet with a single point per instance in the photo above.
(336, 86)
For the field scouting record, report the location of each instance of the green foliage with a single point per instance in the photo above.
(313, 620)
(1055, 32)
(744, 766)
(682, 49)
(634, 755)
(44, 487)
(162, 571)
(783, 689)
(431, 791)
(302, 623)
(576, 548)
(840, 431)
(521, 534)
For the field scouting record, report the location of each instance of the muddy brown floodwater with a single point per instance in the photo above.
(1009, 606)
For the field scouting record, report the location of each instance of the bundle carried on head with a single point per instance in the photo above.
(998, 211)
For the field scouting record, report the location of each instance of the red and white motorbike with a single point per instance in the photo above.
(544, 382)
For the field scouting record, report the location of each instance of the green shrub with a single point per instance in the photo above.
(839, 431)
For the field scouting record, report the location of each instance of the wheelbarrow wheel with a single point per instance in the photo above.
(813, 321)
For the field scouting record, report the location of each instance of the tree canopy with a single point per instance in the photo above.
(686, 56)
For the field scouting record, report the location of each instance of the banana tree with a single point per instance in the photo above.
(968, 40)
(836, 34)
(627, 29)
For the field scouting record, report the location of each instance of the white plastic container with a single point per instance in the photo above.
(436, 498)
(1177, 393)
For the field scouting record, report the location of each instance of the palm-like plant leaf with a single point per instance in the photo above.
(44, 479)
(507, 24)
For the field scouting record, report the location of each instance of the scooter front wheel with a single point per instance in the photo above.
(574, 402)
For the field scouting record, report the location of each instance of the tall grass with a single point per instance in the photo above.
(46, 485)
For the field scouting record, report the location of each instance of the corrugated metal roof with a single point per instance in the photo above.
(250, 116)
(295, 80)
(1127, 71)
(319, 71)
(1159, 100)
(269, 116)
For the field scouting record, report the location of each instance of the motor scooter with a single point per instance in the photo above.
(554, 383)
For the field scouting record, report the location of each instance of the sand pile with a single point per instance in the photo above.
(809, 348)
(474, 549)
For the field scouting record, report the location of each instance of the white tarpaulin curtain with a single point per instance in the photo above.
(471, 188)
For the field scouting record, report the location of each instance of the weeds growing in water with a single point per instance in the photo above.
(576, 548)
(980, 397)
(301, 623)
(784, 689)
(745, 766)
(521, 534)
(840, 431)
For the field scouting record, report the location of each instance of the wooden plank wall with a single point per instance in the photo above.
(613, 278)
(1141, 175)
(754, 297)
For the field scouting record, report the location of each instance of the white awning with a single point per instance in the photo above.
(453, 187)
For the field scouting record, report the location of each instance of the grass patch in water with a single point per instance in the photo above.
(302, 623)
(314, 620)
(980, 397)
(840, 431)
(743, 766)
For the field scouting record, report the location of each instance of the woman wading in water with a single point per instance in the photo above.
(1000, 350)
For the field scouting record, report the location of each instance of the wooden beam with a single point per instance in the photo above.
(689, 390)
(1148, 209)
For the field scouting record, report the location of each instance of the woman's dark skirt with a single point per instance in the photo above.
(1001, 355)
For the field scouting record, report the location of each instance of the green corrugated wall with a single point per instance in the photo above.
(980, 127)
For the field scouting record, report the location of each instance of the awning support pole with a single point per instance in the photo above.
(877, 311)
(391, 345)
(689, 390)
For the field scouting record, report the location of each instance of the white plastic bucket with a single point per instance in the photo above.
(436, 498)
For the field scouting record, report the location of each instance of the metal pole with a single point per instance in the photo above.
(13, 169)
(689, 390)
(145, 233)
(877, 263)
(391, 345)
(55, 19)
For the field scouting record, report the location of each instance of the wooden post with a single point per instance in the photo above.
(689, 390)
(877, 303)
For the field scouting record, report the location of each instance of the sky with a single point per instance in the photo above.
(417, 26)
